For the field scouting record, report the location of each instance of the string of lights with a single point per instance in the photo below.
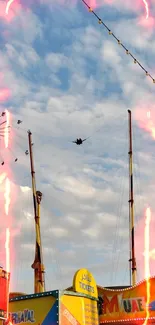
(118, 41)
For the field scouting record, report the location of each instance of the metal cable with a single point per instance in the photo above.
(118, 41)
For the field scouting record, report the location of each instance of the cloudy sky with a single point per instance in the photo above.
(65, 77)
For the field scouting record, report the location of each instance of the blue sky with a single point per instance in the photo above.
(67, 79)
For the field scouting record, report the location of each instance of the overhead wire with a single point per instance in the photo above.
(90, 136)
(100, 21)
(138, 180)
(58, 272)
(137, 169)
(118, 241)
(115, 236)
(15, 127)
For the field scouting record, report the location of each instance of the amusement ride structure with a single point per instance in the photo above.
(84, 303)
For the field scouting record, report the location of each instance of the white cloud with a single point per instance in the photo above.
(58, 232)
(77, 187)
(25, 189)
(74, 220)
(91, 232)
(110, 54)
(55, 61)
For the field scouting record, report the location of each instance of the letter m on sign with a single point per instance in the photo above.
(110, 305)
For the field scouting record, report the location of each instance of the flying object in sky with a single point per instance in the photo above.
(19, 122)
(3, 114)
(26, 152)
(79, 141)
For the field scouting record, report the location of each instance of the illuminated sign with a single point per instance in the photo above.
(117, 304)
(71, 319)
(34, 311)
(77, 310)
(84, 282)
(22, 316)
(129, 303)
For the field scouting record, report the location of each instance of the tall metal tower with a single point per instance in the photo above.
(132, 260)
(38, 266)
